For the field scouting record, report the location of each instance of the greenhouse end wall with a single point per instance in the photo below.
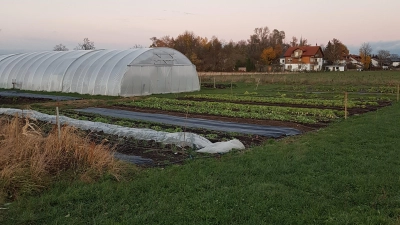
(145, 80)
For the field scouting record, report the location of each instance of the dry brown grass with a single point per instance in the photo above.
(30, 160)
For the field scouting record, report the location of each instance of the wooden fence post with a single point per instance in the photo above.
(231, 88)
(214, 82)
(345, 105)
(258, 82)
(58, 123)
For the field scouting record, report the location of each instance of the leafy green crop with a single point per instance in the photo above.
(283, 100)
(302, 115)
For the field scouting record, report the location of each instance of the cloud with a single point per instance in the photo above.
(392, 46)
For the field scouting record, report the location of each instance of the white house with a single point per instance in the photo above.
(396, 62)
(375, 62)
(282, 61)
(335, 68)
(303, 58)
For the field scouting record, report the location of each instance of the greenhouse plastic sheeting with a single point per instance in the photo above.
(268, 131)
(133, 159)
(179, 138)
(222, 147)
(131, 72)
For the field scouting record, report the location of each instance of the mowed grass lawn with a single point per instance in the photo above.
(347, 173)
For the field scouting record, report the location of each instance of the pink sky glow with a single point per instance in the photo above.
(41, 24)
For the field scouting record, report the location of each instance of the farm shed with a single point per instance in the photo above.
(132, 72)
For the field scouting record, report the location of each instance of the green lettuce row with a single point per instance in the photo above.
(303, 115)
(309, 102)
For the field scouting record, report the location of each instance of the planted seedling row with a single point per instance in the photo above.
(302, 115)
(282, 100)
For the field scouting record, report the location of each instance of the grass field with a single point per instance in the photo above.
(371, 78)
(346, 173)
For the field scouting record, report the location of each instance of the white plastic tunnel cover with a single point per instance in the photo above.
(130, 72)
(163, 71)
(179, 138)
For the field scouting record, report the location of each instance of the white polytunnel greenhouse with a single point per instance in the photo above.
(133, 72)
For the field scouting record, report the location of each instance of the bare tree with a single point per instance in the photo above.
(86, 45)
(137, 46)
(303, 42)
(365, 49)
(294, 42)
(383, 56)
(262, 34)
(365, 54)
(60, 47)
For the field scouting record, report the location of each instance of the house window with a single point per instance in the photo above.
(289, 59)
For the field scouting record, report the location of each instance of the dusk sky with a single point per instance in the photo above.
(37, 25)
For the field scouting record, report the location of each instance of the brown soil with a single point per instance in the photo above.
(218, 86)
(167, 154)
(160, 154)
(20, 100)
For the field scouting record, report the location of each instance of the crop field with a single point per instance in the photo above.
(305, 102)
(341, 169)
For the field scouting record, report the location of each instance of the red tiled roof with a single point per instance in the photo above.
(307, 50)
(354, 56)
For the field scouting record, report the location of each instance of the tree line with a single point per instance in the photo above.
(85, 45)
(263, 48)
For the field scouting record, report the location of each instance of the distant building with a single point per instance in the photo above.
(395, 62)
(353, 62)
(242, 69)
(335, 68)
(303, 58)
(282, 61)
(375, 62)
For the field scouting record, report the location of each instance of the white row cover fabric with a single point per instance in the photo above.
(179, 138)
(132, 72)
(222, 147)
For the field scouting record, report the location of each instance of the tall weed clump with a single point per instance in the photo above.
(30, 159)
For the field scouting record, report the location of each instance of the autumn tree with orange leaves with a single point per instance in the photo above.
(268, 55)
